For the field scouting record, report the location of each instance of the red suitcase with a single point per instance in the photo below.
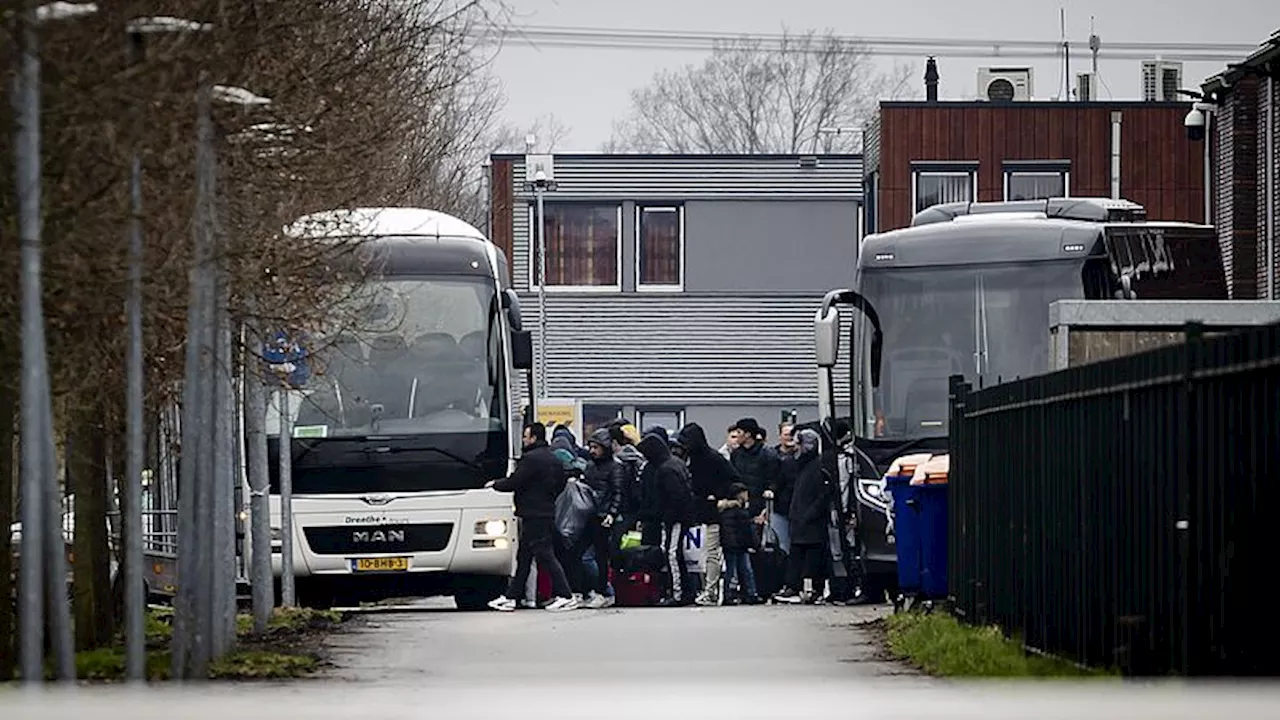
(637, 589)
(544, 586)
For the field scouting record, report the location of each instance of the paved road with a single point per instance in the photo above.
(730, 643)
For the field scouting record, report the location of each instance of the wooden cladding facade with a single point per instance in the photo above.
(502, 205)
(1159, 168)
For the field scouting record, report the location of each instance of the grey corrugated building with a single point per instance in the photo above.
(683, 288)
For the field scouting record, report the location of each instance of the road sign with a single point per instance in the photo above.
(561, 411)
(286, 357)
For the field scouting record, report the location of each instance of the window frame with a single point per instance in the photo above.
(1037, 167)
(639, 253)
(665, 409)
(925, 169)
(533, 249)
(620, 410)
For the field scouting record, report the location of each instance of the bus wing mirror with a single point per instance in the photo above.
(521, 349)
(511, 303)
(827, 330)
(826, 337)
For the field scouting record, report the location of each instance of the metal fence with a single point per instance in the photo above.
(1124, 513)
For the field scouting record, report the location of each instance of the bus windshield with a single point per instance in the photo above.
(424, 357)
(989, 323)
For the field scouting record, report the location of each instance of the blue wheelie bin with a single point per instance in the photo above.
(932, 503)
(906, 531)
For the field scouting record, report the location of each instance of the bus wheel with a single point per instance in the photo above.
(477, 592)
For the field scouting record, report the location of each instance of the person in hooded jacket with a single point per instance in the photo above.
(604, 476)
(810, 515)
(562, 436)
(649, 508)
(623, 438)
(711, 476)
(670, 481)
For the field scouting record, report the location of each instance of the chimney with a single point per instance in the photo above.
(931, 81)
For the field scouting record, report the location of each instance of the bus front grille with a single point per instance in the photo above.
(365, 539)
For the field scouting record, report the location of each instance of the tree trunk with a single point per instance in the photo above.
(8, 598)
(87, 475)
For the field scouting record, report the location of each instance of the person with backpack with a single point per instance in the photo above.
(673, 503)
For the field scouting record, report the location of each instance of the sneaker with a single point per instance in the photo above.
(787, 595)
(706, 600)
(528, 605)
(564, 604)
(594, 601)
(502, 603)
(607, 601)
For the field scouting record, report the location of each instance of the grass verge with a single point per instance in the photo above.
(941, 645)
(289, 648)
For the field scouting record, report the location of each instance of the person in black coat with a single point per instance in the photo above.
(711, 476)
(810, 515)
(757, 464)
(538, 480)
(674, 503)
(738, 537)
(649, 509)
(604, 475)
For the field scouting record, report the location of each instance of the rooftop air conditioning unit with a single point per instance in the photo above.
(1086, 87)
(1005, 84)
(1161, 80)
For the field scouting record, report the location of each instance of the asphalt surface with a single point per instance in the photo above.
(435, 643)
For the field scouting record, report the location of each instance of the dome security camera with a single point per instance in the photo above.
(1195, 122)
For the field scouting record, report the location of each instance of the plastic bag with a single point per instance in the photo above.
(574, 506)
(630, 540)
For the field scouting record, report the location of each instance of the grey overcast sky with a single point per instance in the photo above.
(587, 88)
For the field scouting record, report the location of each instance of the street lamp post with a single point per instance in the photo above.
(277, 136)
(540, 177)
(135, 590)
(40, 506)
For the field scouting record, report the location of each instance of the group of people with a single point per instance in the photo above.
(748, 495)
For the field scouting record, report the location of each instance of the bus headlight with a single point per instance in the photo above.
(491, 528)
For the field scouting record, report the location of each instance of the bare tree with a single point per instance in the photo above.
(753, 97)
(384, 101)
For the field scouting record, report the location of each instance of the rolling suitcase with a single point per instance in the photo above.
(637, 589)
(769, 562)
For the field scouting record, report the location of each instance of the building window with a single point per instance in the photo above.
(659, 247)
(943, 182)
(1036, 180)
(670, 418)
(583, 245)
(595, 417)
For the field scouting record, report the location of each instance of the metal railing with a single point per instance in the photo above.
(1120, 514)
